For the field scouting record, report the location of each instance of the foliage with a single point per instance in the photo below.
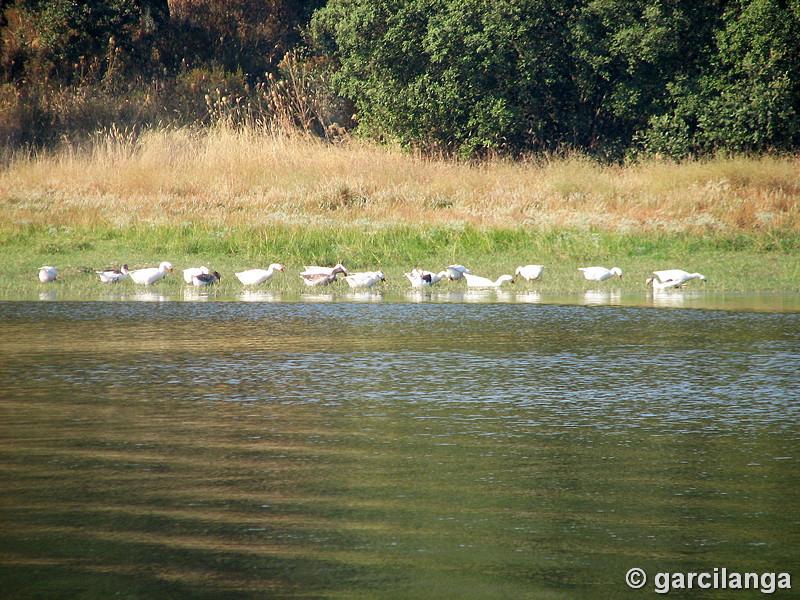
(626, 54)
(470, 76)
(71, 67)
(747, 98)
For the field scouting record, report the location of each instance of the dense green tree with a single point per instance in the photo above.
(747, 98)
(752, 97)
(627, 53)
(670, 76)
(467, 75)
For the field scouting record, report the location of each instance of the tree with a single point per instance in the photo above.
(76, 38)
(627, 55)
(607, 76)
(748, 97)
(465, 76)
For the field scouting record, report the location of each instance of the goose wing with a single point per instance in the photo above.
(670, 275)
(477, 281)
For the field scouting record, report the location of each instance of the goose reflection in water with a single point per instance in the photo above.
(258, 296)
(602, 297)
(668, 298)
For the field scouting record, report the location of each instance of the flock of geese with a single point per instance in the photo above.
(419, 278)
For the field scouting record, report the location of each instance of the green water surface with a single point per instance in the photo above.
(394, 449)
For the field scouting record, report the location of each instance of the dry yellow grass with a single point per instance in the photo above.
(235, 178)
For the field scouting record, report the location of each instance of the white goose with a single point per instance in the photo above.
(365, 279)
(311, 278)
(435, 277)
(113, 275)
(206, 279)
(258, 276)
(530, 272)
(152, 274)
(314, 270)
(456, 272)
(188, 274)
(672, 278)
(420, 278)
(47, 274)
(600, 273)
(476, 281)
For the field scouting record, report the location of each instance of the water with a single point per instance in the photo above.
(433, 449)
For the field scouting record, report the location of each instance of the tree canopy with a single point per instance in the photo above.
(467, 77)
(675, 77)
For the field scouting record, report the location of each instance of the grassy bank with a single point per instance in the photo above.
(238, 199)
(731, 263)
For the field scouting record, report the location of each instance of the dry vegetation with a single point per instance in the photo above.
(249, 177)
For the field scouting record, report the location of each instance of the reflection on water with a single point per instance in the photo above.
(440, 449)
(258, 296)
(364, 296)
(529, 297)
(197, 294)
(671, 298)
(674, 298)
(602, 297)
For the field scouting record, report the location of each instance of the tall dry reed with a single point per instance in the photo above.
(234, 177)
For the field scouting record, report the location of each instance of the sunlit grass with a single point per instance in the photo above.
(743, 263)
(236, 178)
(245, 198)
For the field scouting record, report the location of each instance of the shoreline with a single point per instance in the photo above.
(523, 293)
(743, 264)
(242, 198)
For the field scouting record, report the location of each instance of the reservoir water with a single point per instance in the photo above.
(396, 449)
